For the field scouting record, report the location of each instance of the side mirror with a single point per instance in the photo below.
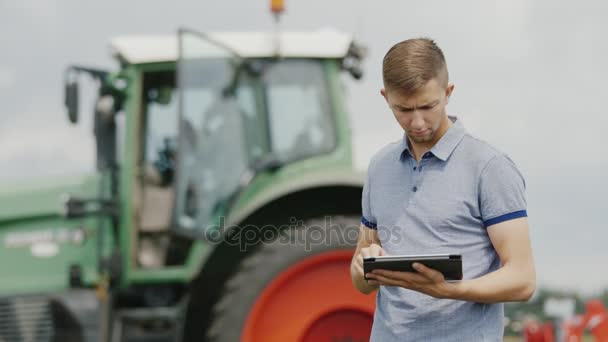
(71, 100)
(352, 61)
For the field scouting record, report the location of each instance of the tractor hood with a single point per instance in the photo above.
(43, 197)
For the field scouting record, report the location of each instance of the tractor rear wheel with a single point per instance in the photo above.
(297, 288)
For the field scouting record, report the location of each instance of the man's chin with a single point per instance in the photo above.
(422, 139)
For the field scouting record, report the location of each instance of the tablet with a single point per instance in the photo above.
(450, 265)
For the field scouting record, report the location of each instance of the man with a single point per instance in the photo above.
(440, 190)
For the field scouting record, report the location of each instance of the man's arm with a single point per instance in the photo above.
(368, 244)
(515, 280)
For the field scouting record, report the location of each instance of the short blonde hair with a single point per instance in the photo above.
(410, 64)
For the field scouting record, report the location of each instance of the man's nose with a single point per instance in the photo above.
(417, 120)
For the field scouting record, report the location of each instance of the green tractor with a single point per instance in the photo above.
(224, 205)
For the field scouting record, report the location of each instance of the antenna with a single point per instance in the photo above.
(359, 20)
(277, 7)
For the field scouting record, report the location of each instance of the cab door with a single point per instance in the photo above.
(218, 131)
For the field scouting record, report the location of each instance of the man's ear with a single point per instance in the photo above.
(448, 91)
(383, 93)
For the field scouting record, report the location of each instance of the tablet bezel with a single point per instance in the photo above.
(450, 259)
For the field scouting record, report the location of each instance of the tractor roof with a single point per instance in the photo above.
(318, 44)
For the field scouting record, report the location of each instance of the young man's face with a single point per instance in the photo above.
(422, 114)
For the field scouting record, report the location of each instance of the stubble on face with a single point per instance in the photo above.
(423, 138)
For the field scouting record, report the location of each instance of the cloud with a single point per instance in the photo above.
(31, 149)
(8, 78)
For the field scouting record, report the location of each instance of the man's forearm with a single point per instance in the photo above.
(507, 284)
(360, 283)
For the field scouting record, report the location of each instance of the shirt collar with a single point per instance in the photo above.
(445, 146)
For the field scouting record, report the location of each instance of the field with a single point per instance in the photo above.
(586, 338)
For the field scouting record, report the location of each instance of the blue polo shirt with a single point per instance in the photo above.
(443, 204)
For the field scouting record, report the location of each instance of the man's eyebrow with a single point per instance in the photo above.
(402, 107)
(430, 103)
(427, 104)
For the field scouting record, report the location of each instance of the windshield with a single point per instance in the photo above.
(298, 109)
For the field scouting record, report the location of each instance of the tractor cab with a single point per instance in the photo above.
(207, 113)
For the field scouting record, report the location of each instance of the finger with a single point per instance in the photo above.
(370, 279)
(410, 277)
(429, 273)
(373, 282)
(389, 281)
(406, 276)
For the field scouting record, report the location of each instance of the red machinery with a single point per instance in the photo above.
(595, 320)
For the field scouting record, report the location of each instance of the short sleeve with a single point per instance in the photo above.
(501, 192)
(368, 218)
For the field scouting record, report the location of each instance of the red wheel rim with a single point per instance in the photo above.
(312, 300)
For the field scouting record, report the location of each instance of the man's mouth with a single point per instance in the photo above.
(420, 133)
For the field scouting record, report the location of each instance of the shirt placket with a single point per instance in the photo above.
(417, 174)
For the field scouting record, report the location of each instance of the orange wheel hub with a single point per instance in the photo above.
(312, 300)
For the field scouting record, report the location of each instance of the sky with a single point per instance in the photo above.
(529, 78)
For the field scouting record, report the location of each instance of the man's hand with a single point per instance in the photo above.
(425, 280)
(368, 245)
(373, 250)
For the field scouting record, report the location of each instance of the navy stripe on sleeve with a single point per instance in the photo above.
(368, 224)
(505, 217)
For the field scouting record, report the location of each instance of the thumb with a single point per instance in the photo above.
(382, 252)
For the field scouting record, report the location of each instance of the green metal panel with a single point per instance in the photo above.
(40, 197)
(128, 169)
(39, 245)
(333, 73)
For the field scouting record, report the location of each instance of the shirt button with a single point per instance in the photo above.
(414, 189)
(414, 168)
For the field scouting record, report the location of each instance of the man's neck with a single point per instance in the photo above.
(419, 149)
